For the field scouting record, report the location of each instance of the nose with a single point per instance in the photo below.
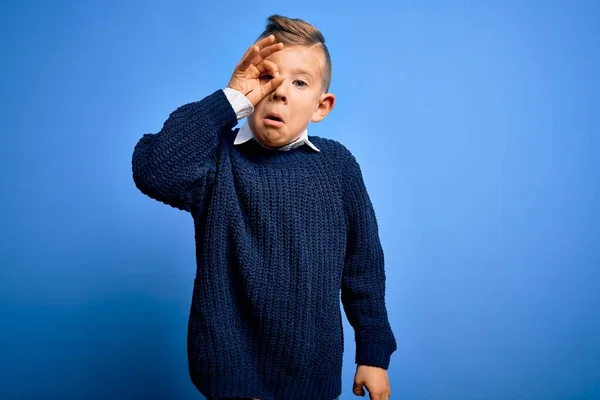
(279, 94)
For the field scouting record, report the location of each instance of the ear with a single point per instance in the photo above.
(326, 103)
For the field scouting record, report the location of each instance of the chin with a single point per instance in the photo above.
(273, 137)
(270, 143)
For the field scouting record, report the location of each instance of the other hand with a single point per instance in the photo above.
(376, 381)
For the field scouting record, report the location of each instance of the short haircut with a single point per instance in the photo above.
(294, 31)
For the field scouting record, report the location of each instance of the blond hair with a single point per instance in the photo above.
(294, 31)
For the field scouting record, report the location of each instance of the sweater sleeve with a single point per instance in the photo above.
(175, 165)
(363, 278)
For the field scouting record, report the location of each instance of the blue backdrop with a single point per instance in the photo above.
(475, 123)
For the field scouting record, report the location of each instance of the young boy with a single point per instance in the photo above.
(283, 222)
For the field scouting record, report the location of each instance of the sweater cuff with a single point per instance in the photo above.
(219, 110)
(373, 354)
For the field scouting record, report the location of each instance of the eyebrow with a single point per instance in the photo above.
(300, 71)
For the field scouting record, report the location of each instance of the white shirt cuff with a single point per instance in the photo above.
(240, 103)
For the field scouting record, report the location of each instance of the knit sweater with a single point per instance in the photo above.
(278, 236)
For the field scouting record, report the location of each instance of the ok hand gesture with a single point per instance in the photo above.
(246, 77)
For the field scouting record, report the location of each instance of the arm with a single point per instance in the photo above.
(363, 279)
(177, 164)
(174, 165)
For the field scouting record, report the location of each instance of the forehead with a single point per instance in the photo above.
(309, 59)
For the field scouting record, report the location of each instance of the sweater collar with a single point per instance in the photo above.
(245, 134)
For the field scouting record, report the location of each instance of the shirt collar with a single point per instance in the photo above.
(245, 134)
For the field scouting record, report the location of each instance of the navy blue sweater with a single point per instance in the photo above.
(278, 235)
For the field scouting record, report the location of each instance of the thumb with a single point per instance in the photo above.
(358, 389)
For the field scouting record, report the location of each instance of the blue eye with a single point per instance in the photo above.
(303, 84)
(266, 76)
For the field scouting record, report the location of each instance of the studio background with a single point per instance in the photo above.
(475, 124)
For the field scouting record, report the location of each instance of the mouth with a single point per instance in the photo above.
(273, 119)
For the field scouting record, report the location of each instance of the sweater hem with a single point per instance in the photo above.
(247, 384)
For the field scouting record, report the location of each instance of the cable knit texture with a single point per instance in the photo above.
(278, 236)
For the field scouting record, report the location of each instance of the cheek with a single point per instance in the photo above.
(309, 105)
(311, 108)
(257, 108)
(257, 113)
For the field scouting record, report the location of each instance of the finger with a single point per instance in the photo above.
(268, 66)
(273, 84)
(264, 42)
(358, 390)
(248, 57)
(267, 51)
(259, 51)
(376, 394)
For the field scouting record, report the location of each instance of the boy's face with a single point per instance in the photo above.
(281, 116)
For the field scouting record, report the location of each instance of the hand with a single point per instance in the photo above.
(247, 74)
(375, 379)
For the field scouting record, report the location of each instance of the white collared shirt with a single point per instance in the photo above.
(243, 107)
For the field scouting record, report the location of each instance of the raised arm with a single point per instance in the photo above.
(363, 279)
(174, 165)
(177, 164)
